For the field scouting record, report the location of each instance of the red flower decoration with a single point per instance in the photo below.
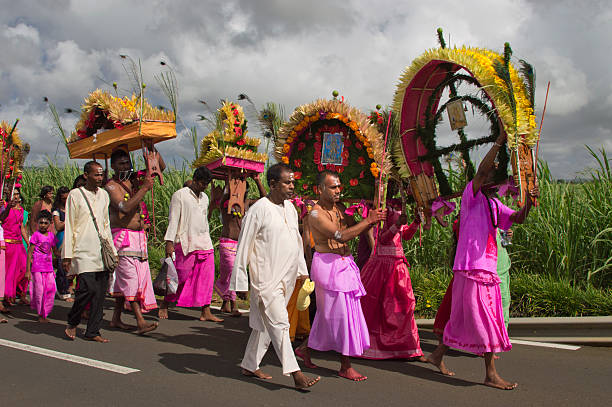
(238, 131)
(347, 142)
(345, 154)
(301, 146)
(305, 186)
(353, 182)
(361, 174)
(358, 145)
(241, 142)
(298, 163)
(361, 161)
(340, 170)
(297, 175)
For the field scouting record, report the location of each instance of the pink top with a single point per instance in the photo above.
(390, 240)
(477, 244)
(12, 224)
(42, 257)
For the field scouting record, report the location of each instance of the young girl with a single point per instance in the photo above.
(40, 267)
(59, 217)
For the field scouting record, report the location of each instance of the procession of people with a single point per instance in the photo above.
(367, 313)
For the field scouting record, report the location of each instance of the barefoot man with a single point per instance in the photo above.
(339, 324)
(476, 318)
(132, 275)
(271, 246)
(228, 243)
(188, 242)
(82, 250)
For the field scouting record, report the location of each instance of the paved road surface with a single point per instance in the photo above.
(191, 363)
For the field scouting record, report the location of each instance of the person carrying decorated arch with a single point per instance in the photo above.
(128, 220)
(339, 324)
(476, 320)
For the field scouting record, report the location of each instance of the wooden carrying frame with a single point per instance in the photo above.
(103, 144)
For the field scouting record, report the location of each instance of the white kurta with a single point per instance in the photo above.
(188, 221)
(81, 241)
(271, 246)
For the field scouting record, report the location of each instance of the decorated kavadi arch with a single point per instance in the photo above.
(330, 134)
(505, 96)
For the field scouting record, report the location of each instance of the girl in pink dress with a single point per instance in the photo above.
(15, 254)
(389, 304)
(40, 267)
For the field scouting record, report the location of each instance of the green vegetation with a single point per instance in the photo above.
(561, 257)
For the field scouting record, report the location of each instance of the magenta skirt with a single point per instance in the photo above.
(339, 324)
(477, 317)
(196, 273)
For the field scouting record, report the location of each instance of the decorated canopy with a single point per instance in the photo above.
(228, 144)
(109, 121)
(330, 134)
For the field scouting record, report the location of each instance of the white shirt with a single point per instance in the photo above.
(188, 221)
(271, 246)
(81, 241)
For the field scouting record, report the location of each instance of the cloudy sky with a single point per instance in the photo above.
(293, 52)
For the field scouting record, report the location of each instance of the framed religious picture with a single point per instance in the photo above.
(333, 144)
(456, 115)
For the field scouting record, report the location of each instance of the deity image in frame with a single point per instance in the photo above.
(333, 144)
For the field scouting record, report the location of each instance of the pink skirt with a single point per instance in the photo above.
(132, 275)
(42, 292)
(2, 271)
(388, 308)
(339, 324)
(196, 273)
(227, 256)
(15, 266)
(477, 318)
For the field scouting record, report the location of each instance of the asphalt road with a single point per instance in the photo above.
(191, 363)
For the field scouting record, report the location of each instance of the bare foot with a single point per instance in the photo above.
(98, 339)
(304, 354)
(210, 318)
(303, 382)
(24, 301)
(69, 299)
(162, 313)
(226, 307)
(3, 321)
(70, 332)
(236, 313)
(436, 359)
(121, 325)
(43, 320)
(3, 309)
(351, 374)
(499, 383)
(147, 328)
(258, 373)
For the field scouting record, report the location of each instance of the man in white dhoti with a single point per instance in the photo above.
(271, 246)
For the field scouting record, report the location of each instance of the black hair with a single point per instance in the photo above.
(117, 154)
(275, 171)
(89, 166)
(45, 190)
(58, 197)
(202, 174)
(78, 181)
(44, 214)
(324, 174)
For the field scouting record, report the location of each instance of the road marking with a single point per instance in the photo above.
(545, 344)
(68, 357)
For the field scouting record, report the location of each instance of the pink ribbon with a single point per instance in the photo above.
(301, 205)
(440, 203)
(350, 211)
(508, 189)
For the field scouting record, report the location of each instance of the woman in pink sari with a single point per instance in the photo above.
(15, 254)
(389, 304)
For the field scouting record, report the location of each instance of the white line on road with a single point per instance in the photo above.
(70, 358)
(544, 344)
